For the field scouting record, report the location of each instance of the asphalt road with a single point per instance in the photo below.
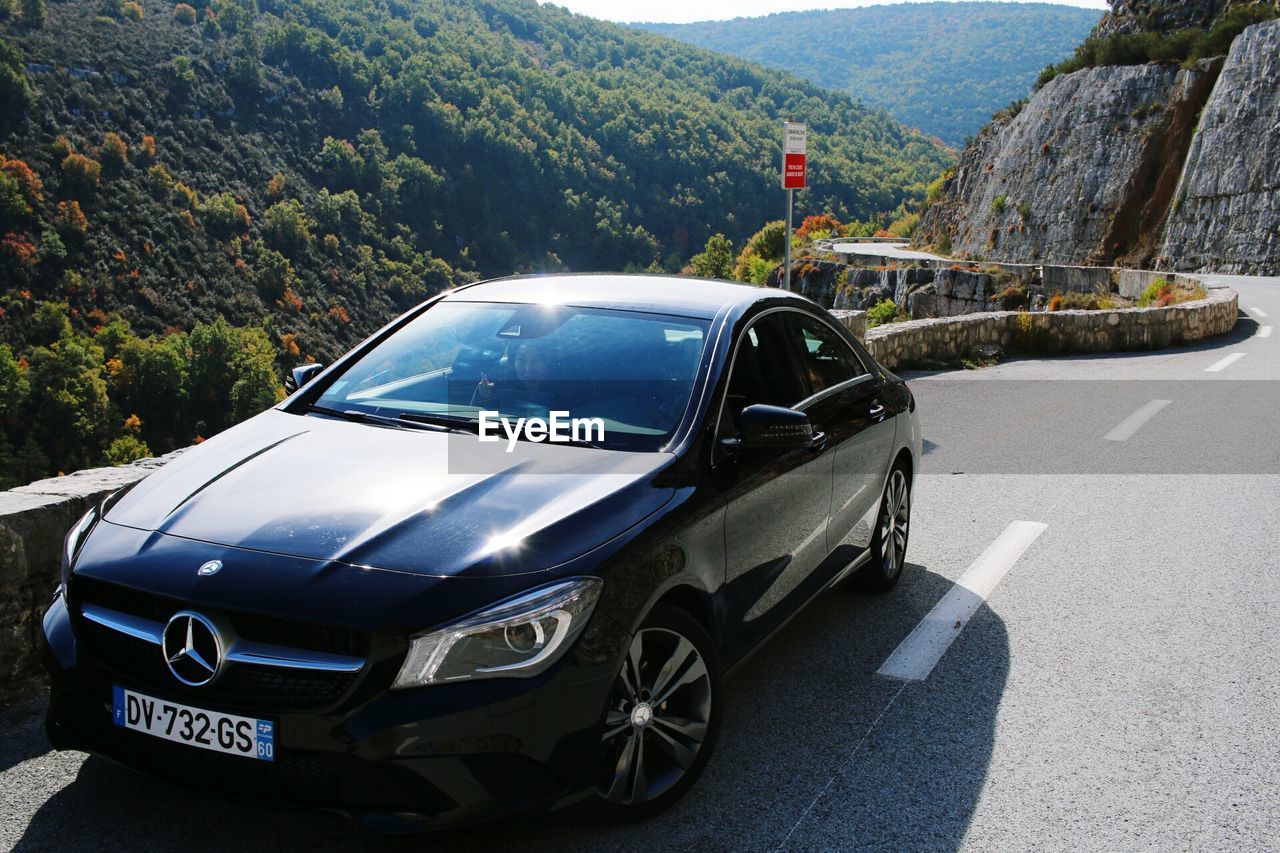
(1118, 688)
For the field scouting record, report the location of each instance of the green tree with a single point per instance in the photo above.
(71, 410)
(33, 12)
(230, 365)
(764, 248)
(715, 260)
(125, 449)
(15, 95)
(286, 225)
(148, 377)
(13, 206)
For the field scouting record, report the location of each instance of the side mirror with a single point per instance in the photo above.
(773, 427)
(300, 376)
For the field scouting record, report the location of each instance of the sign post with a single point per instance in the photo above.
(794, 137)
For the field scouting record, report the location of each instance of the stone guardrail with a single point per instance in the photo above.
(34, 518)
(948, 339)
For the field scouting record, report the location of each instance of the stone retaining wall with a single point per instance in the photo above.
(948, 339)
(34, 519)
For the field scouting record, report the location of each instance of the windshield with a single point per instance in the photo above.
(632, 372)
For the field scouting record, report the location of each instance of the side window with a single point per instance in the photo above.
(764, 371)
(825, 357)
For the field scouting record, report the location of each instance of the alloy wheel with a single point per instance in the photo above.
(657, 720)
(895, 521)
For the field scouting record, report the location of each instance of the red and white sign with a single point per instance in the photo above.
(794, 136)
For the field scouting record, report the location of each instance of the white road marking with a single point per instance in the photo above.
(917, 655)
(1264, 331)
(1219, 366)
(1134, 422)
(1259, 312)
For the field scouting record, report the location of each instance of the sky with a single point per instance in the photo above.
(686, 11)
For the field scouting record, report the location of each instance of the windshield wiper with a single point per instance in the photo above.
(380, 420)
(453, 423)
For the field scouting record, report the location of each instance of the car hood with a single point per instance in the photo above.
(439, 504)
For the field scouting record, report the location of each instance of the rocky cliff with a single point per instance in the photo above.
(1133, 165)
(1225, 213)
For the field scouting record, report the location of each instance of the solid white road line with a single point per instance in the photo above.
(1219, 366)
(1258, 311)
(917, 655)
(1134, 422)
(1264, 331)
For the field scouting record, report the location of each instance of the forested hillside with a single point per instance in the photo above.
(300, 170)
(941, 67)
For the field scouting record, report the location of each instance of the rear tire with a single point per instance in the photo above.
(662, 717)
(893, 528)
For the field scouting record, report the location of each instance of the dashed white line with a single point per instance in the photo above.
(1219, 366)
(1258, 312)
(917, 655)
(1127, 427)
(1264, 331)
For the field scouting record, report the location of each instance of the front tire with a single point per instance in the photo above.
(662, 717)
(893, 528)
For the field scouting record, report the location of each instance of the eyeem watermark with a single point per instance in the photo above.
(559, 428)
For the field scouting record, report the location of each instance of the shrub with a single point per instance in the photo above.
(160, 179)
(998, 204)
(1012, 298)
(70, 219)
(224, 214)
(763, 249)
(60, 147)
(1055, 302)
(1024, 210)
(28, 181)
(81, 171)
(132, 11)
(884, 311)
(812, 226)
(33, 12)
(184, 14)
(125, 449)
(286, 225)
(715, 260)
(13, 206)
(114, 152)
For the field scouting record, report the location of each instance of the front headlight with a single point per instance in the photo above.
(71, 545)
(518, 638)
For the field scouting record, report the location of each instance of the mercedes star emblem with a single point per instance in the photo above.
(192, 648)
(210, 568)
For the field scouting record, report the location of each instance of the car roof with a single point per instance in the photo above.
(688, 297)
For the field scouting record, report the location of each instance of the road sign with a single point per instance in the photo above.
(794, 136)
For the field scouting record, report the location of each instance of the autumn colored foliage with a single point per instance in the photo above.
(28, 181)
(84, 171)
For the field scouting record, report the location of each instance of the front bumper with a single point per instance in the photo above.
(397, 760)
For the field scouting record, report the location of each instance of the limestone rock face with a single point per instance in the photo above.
(1128, 16)
(1138, 166)
(1225, 216)
(1066, 180)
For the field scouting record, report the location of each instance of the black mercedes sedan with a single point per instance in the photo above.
(496, 559)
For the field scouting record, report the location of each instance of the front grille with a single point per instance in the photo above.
(294, 633)
(241, 687)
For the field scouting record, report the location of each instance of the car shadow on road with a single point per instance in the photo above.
(816, 750)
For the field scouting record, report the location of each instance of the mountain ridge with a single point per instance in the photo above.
(941, 66)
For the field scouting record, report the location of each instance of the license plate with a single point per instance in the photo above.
(226, 733)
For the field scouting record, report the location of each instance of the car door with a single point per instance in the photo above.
(776, 500)
(847, 404)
